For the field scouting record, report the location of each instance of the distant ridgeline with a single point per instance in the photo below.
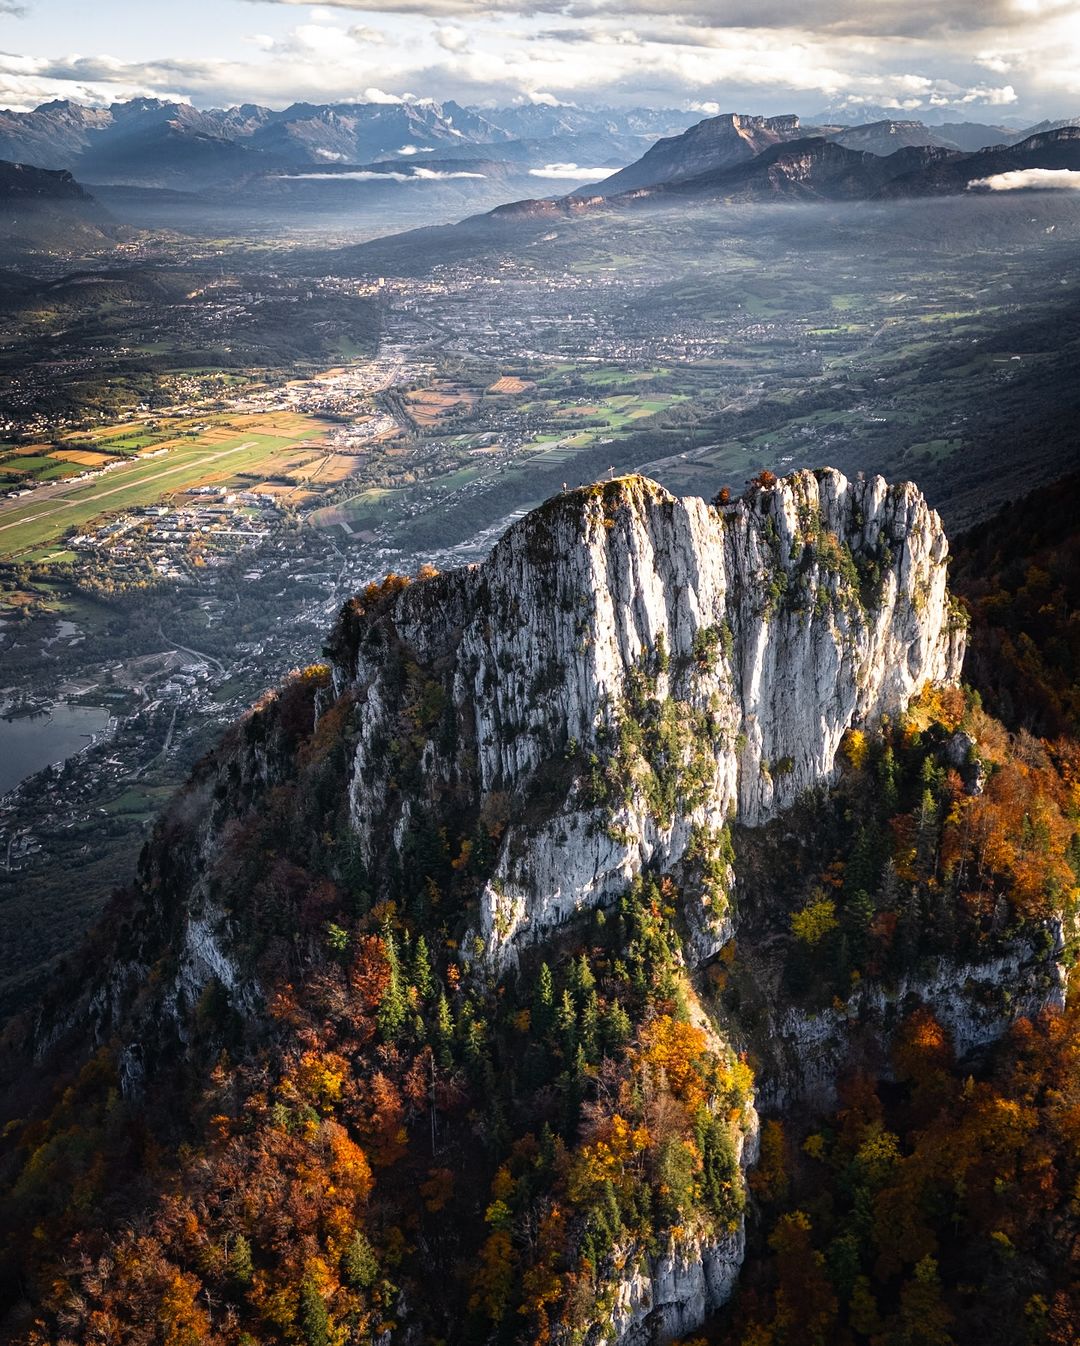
(455, 980)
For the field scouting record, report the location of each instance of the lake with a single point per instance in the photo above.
(33, 742)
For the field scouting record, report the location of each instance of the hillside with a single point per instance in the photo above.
(886, 137)
(455, 980)
(44, 211)
(1057, 149)
(1019, 575)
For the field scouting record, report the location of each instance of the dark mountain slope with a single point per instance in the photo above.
(803, 170)
(815, 170)
(1019, 575)
(42, 210)
(1055, 149)
(825, 170)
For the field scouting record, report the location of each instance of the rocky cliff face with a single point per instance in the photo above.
(651, 669)
(805, 1054)
(628, 678)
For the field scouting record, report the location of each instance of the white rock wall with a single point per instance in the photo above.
(542, 635)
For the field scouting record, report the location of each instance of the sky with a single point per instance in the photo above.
(1015, 60)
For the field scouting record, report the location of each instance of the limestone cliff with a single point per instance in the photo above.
(651, 669)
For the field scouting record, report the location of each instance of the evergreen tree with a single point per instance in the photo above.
(720, 1180)
(566, 1023)
(444, 1033)
(582, 981)
(240, 1264)
(314, 1320)
(615, 1028)
(889, 777)
(926, 834)
(420, 972)
(888, 896)
(543, 1006)
(590, 1018)
(358, 1264)
(394, 1006)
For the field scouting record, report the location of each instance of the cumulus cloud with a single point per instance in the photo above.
(1030, 179)
(451, 38)
(571, 172)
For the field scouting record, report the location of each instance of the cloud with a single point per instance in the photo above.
(433, 174)
(451, 38)
(707, 55)
(371, 36)
(881, 18)
(372, 175)
(1030, 179)
(571, 172)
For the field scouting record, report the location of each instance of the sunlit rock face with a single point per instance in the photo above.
(628, 672)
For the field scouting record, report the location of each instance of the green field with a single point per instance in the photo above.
(44, 517)
(367, 509)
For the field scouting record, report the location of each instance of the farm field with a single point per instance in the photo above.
(429, 406)
(368, 509)
(239, 448)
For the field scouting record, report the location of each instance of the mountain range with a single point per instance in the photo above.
(152, 142)
(381, 168)
(741, 158)
(155, 142)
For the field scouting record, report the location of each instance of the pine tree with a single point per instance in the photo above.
(582, 980)
(420, 970)
(394, 1006)
(888, 897)
(590, 1017)
(566, 1023)
(444, 1033)
(314, 1318)
(358, 1264)
(926, 836)
(889, 777)
(240, 1264)
(543, 1007)
(615, 1028)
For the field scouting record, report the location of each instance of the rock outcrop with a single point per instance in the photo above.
(629, 672)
